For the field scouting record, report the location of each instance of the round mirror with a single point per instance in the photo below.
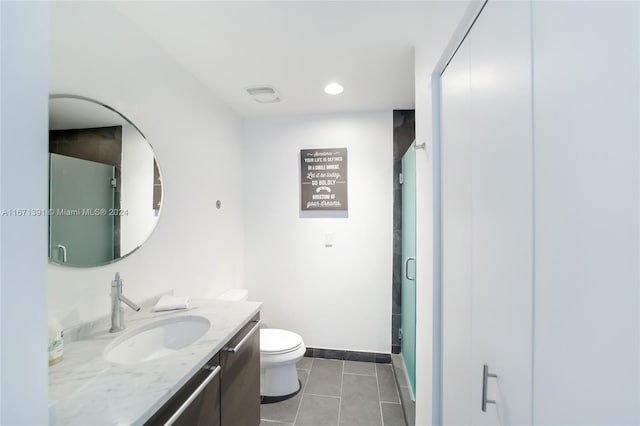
(105, 187)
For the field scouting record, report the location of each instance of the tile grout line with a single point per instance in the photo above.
(322, 396)
(395, 380)
(360, 374)
(403, 409)
(397, 385)
(341, 386)
(295, 418)
(379, 398)
(395, 388)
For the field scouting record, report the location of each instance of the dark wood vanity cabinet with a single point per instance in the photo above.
(197, 403)
(225, 392)
(240, 377)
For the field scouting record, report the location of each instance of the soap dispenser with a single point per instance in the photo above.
(56, 342)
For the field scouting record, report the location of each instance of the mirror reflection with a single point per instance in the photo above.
(105, 187)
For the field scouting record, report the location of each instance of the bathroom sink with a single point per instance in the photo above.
(156, 340)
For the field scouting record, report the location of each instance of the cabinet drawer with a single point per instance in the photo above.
(204, 407)
(240, 377)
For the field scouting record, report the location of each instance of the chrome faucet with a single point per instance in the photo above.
(117, 313)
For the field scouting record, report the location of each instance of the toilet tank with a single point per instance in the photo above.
(235, 294)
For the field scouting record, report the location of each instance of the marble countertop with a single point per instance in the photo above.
(88, 390)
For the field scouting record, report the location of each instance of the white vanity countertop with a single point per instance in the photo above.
(92, 391)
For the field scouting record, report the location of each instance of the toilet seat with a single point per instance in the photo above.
(274, 341)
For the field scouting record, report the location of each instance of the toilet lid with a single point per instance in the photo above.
(275, 340)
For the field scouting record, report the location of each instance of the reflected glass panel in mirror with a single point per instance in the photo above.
(105, 187)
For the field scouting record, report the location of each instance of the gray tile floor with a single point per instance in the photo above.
(345, 393)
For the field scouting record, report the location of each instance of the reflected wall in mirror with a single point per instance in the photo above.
(105, 186)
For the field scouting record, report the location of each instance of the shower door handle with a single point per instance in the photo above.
(64, 252)
(406, 268)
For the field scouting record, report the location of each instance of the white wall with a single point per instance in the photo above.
(196, 249)
(23, 240)
(137, 190)
(585, 94)
(335, 297)
(424, 63)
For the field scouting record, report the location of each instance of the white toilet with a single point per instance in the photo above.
(280, 350)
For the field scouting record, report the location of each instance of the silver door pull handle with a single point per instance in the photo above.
(485, 379)
(64, 252)
(244, 339)
(194, 395)
(406, 268)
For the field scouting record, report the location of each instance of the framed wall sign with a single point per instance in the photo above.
(323, 179)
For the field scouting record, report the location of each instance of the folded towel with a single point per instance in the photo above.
(170, 303)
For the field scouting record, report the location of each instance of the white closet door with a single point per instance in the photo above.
(493, 201)
(456, 242)
(502, 212)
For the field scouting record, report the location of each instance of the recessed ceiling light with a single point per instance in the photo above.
(333, 89)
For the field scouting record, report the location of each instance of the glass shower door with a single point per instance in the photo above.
(81, 224)
(408, 316)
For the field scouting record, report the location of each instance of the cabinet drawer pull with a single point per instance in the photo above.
(245, 338)
(194, 395)
(485, 379)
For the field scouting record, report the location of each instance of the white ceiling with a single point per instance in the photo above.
(300, 46)
(72, 113)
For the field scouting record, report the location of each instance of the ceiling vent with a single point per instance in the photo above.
(264, 94)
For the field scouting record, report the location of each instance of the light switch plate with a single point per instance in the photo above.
(328, 239)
